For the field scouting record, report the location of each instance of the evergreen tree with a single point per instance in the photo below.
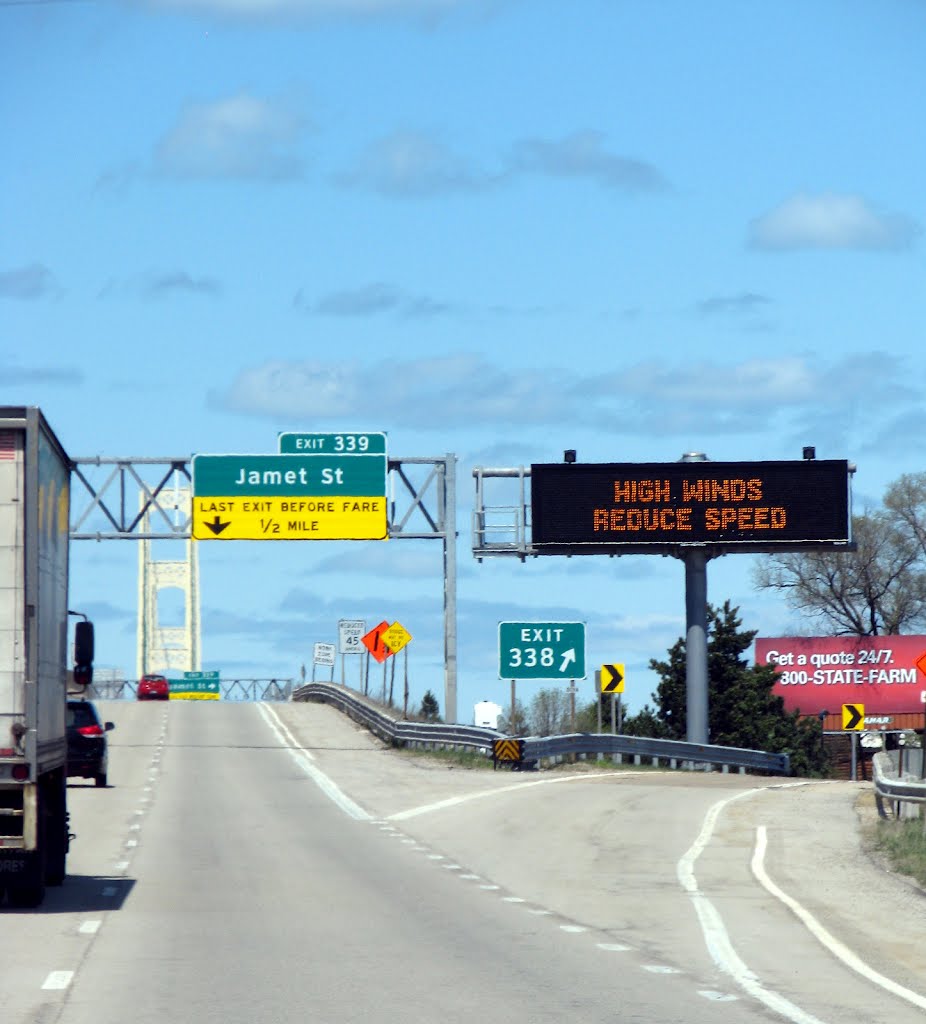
(430, 709)
(742, 710)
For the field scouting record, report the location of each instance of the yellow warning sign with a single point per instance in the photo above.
(290, 518)
(853, 717)
(507, 750)
(396, 637)
(612, 678)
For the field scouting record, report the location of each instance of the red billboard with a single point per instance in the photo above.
(823, 673)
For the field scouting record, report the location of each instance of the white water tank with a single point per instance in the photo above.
(486, 714)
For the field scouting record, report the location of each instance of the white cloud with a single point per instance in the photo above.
(787, 380)
(258, 10)
(791, 397)
(236, 137)
(33, 281)
(411, 165)
(373, 299)
(831, 221)
(583, 155)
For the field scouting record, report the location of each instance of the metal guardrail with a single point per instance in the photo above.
(231, 689)
(398, 732)
(537, 750)
(674, 753)
(896, 789)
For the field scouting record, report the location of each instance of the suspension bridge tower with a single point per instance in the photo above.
(162, 648)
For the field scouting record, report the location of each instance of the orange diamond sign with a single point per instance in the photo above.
(375, 644)
(921, 663)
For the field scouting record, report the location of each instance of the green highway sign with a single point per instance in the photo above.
(344, 443)
(318, 496)
(196, 686)
(541, 650)
(250, 476)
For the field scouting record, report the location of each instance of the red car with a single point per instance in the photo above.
(152, 687)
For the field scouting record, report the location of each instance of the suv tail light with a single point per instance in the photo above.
(90, 730)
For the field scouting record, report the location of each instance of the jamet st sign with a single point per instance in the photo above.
(322, 496)
(819, 674)
(595, 508)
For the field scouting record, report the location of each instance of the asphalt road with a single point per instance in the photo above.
(274, 863)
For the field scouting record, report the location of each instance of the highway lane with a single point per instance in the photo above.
(221, 881)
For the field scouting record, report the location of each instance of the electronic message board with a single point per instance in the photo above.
(588, 508)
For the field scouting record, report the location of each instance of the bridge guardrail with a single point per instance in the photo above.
(674, 753)
(231, 689)
(889, 786)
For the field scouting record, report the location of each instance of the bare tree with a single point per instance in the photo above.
(880, 588)
(905, 502)
(549, 713)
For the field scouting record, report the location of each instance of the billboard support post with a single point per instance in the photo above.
(696, 645)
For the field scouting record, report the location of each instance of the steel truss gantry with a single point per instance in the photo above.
(421, 506)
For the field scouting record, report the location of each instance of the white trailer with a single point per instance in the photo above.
(35, 476)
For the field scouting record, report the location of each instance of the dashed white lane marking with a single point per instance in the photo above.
(717, 997)
(613, 947)
(512, 899)
(489, 888)
(120, 866)
(90, 927)
(57, 980)
(304, 760)
(715, 933)
(572, 929)
(131, 843)
(661, 969)
(830, 942)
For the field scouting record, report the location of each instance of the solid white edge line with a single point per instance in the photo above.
(454, 801)
(829, 941)
(304, 759)
(715, 933)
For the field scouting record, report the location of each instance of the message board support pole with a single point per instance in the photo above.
(696, 644)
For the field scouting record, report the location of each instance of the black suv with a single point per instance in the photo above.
(87, 753)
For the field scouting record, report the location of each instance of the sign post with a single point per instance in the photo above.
(921, 665)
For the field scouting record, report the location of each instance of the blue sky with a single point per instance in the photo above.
(492, 228)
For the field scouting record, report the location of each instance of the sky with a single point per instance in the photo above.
(496, 229)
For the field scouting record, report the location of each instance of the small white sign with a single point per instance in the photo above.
(324, 654)
(350, 636)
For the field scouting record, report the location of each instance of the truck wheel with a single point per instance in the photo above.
(55, 837)
(100, 778)
(26, 896)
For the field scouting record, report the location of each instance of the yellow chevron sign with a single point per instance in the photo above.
(507, 750)
(853, 717)
(612, 678)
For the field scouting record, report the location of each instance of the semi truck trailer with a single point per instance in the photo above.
(35, 478)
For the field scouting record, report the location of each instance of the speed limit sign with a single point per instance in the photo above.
(350, 632)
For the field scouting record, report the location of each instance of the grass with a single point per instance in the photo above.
(903, 844)
(449, 758)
